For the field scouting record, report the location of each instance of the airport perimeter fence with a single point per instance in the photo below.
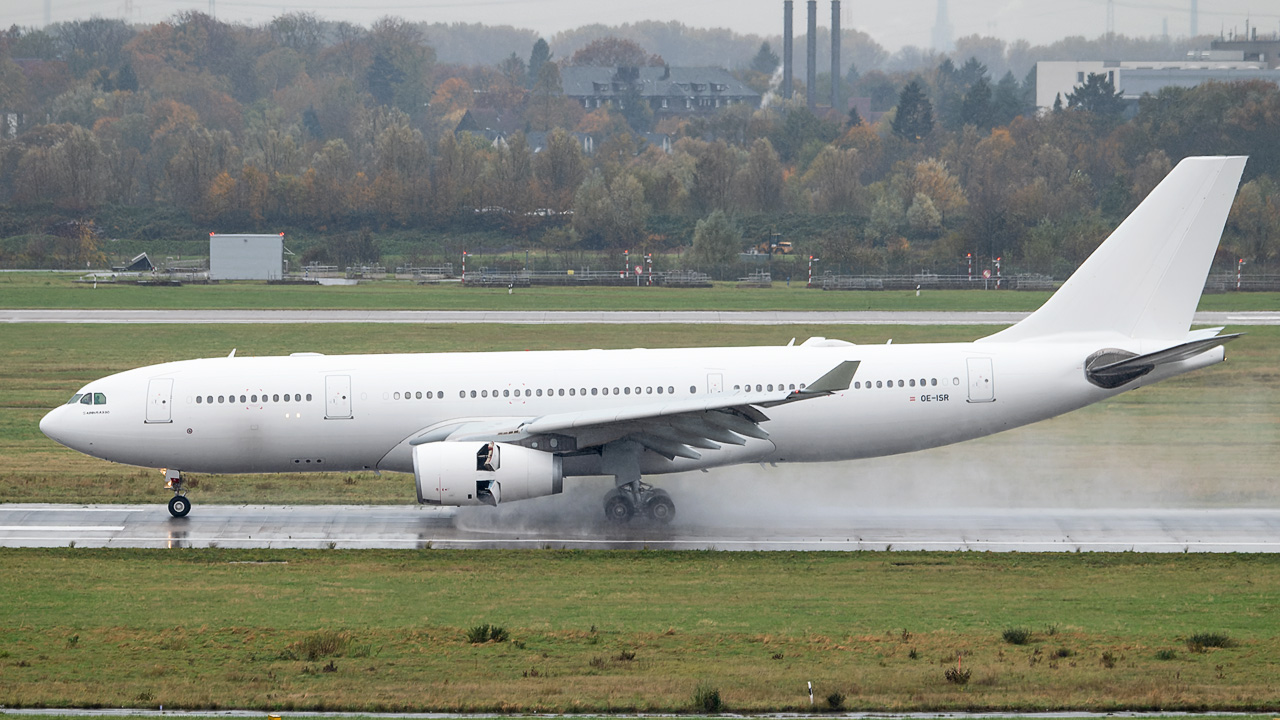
(934, 282)
(598, 278)
(1226, 282)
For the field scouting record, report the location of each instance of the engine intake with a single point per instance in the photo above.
(480, 473)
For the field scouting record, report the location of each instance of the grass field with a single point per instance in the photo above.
(1211, 438)
(622, 631)
(45, 290)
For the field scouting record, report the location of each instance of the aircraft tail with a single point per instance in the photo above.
(1145, 280)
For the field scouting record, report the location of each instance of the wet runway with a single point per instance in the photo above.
(541, 526)
(564, 317)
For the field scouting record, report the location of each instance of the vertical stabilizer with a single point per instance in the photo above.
(1145, 280)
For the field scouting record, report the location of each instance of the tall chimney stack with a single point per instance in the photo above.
(811, 77)
(835, 54)
(786, 50)
(1195, 18)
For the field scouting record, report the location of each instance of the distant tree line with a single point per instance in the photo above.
(334, 129)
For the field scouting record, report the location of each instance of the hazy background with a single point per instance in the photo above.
(893, 25)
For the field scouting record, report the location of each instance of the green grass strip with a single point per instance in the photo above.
(634, 631)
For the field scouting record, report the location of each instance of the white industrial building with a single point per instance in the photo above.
(246, 257)
(1134, 78)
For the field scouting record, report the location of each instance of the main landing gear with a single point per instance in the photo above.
(632, 496)
(638, 498)
(179, 505)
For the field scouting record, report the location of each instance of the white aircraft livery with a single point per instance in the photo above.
(490, 428)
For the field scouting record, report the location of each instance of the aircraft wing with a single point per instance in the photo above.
(671, 428)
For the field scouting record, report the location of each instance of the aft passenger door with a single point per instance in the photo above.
(715, 383)
(982, 386)
(337, 393)
(160, 400)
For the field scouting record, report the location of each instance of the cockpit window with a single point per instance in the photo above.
(86, 399)
(74, 399)
(99, 399)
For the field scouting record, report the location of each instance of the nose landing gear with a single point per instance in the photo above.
(179, 505)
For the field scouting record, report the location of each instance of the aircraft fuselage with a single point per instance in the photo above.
(307, 413)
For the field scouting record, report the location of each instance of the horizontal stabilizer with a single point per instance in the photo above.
(1112, 373)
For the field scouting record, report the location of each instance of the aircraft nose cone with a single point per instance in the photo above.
(50, 425)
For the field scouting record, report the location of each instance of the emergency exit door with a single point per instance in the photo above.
(982, 386)
(337, 393)
(160, 400)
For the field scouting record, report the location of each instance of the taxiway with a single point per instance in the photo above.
(188, 317)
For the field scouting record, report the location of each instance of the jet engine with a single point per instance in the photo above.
(483, 473)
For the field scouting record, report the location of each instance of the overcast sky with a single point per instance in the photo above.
(892, 24)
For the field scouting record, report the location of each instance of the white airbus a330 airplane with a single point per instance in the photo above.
(489, 428)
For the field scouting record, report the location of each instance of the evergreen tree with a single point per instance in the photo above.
(382, 77)
(975, 108)
(766, 61)
(540, 56)
(126, 79)
(514, 70)
(914, 120)
(1029, 89)
(855, 117)
(1098, 95)
(970, 73)
(1007, 103)
(311, 122)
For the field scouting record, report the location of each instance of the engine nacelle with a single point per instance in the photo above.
(483, 473)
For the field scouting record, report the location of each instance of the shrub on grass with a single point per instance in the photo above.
(1108, 659)
(487, 633)
(1167, 654)
(1016, 636)
(320, 645)
(706, 698)
(835, 701)
(956, 676)
(1063, 652)
(1199, 641)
